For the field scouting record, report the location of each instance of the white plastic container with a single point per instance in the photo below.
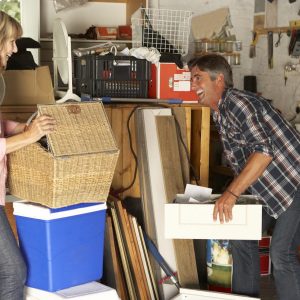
(89, 291)
(188, 294)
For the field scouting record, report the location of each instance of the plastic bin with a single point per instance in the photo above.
(62, 247)
(112, 76)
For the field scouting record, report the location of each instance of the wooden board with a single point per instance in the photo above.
(200, 143)
(172, 176)
(145, 260)
(116, 117)
(180, 115)
(158, 194)
(116, 265)
(124, 257)
(133, 255)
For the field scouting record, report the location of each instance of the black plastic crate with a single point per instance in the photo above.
(112, 76)
(83, 75)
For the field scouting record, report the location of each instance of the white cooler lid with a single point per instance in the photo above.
(89, 291)
(25, 208)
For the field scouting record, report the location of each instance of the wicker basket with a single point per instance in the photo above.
(80, 162)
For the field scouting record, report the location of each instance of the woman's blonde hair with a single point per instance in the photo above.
(9, 28)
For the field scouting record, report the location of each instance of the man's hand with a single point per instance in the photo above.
(223, 207)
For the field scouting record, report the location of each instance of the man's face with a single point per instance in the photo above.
(206, 89)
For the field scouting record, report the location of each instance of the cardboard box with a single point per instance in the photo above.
(195, 221)
(28, 87)
(62, 247)
(188, 294)
(106, 33)
(170, 82)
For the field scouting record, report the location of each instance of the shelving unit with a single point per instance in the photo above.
(198, 131)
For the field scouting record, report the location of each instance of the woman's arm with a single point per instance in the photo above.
(18, 129)
(38, 128)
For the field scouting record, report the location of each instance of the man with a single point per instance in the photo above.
(264, 153)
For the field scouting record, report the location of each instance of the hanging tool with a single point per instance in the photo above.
(279, 39)
(270, 49)
(252, 52)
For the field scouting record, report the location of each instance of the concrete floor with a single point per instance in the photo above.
(268, 290)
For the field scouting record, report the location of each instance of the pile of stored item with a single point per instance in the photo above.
(65, 183)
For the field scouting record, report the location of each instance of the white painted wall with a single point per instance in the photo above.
(30, 25)
(270, 82)
(79, 19)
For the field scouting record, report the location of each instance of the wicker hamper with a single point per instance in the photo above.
(79, 164)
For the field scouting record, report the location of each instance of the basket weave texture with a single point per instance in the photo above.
(80, 162)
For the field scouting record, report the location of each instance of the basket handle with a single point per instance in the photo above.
(31, 118)
(73, 109)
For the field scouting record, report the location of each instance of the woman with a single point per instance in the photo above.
(13, 137)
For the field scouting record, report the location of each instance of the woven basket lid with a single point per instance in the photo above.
(82, 128)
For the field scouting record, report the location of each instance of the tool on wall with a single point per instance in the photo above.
(294, 46)
(270, 49)
(252, 52)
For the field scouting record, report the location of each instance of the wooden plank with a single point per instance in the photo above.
(170, 159)
(141, 258)
(134, 191)
(204, 146)
(119, 276)
(145, 260)
(129, 163)
(143, 286)
(149, 265)
(180, 115)
(196, 143)
(188, 118)
(124, 257)
(169, 155)
(116, 124)
(140, 284)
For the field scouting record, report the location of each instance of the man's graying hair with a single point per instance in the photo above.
(213, 64)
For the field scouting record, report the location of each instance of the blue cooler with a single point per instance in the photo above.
(63, 247)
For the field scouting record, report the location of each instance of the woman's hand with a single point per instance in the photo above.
(41, 126)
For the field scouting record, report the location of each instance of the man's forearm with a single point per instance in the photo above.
(255, 166)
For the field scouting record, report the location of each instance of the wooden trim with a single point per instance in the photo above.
(273, 29)
(116, 1)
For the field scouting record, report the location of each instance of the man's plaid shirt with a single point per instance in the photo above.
(247, 123)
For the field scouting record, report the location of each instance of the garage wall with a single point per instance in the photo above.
(270, 82)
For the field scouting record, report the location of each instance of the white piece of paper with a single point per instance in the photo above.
(199, 193)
